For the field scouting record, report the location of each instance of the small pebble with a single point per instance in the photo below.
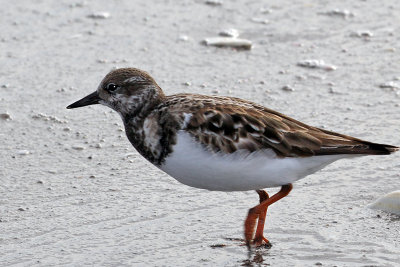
(78, 147)
(23, 152)
(301, 77)
(260, 20)
(187, 83)
(332, 90)
(265, 10)
(229, 33)
(288, 88)
(92, 176)
(218, 246)
(390, 49)
(316, 64)
(390, 85)
(128, 155)
(39, 182)
(99, 15)
(5, 116)
(98, 145)
(214, 2)
(21, 209)
(114, 189)
(339, 13)
(6, 85)
(77, 5)
(74, 36)
(183, 38)
(362, 34)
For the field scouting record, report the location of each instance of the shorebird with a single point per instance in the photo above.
(222, 143)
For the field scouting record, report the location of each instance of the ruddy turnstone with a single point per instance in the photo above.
(222, 143)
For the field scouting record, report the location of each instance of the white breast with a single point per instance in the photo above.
(191, 164)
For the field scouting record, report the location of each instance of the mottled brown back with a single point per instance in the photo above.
(228, 124)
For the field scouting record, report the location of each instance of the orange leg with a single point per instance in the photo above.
(257, 213)
(259, 238)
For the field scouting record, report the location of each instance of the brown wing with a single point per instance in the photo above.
(229, 124)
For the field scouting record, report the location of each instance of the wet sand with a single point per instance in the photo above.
(74, 192)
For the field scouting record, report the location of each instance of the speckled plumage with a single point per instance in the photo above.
(222, 143)
(228, 124)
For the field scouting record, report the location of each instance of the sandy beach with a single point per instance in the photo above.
(74, 192)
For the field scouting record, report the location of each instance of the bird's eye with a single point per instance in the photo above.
(111, 87)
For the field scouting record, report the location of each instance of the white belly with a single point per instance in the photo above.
(192, 165)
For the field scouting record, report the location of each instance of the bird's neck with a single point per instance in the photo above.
(134, 121)
(136, 109)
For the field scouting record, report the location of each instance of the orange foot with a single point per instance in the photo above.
(259, 240)
(258, 214)
(262, 242)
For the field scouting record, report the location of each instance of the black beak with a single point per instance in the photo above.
(91, 99)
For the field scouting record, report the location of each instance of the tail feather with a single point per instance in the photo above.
(385, 149)
(334, 143)
(365, 148)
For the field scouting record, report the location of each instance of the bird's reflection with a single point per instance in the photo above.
(255, 256)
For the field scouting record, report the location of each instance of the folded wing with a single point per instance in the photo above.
(243, 125)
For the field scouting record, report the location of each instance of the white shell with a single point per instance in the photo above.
(229, 42)
(389, 203)
(99, 15)
(316, 64)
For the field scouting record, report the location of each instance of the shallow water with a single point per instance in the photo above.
(79, 193)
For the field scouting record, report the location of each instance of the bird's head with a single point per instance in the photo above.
(126, 90)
